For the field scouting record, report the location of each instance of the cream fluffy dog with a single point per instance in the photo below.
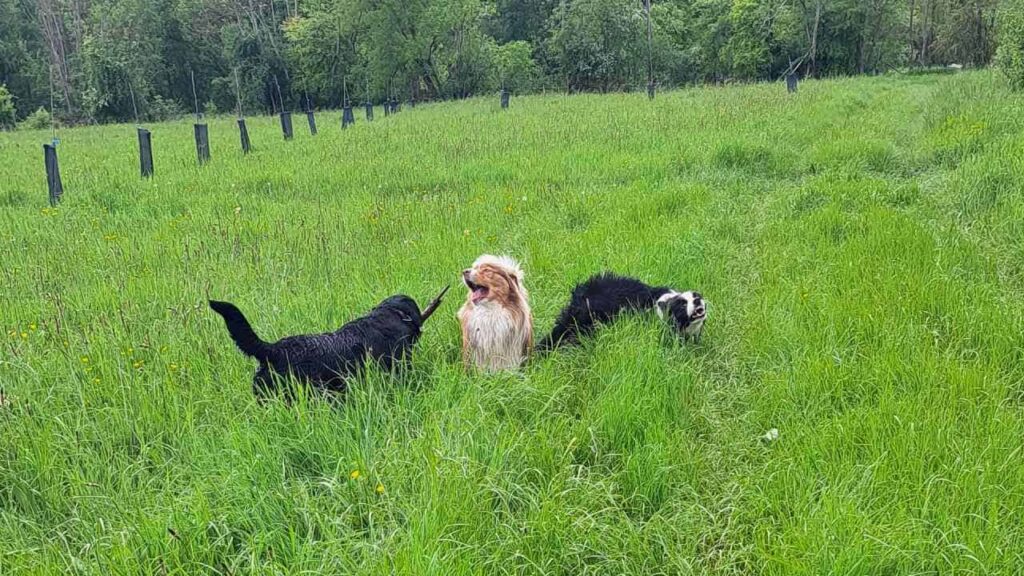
(497, 325)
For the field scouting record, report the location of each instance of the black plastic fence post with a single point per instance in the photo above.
(387, 108)
(286, 125)
(53, 182)
(792, 82)
(202, 142)
(650, 90)
(312, 122)
(504, 99)
(347, 117)
(369, 111)
(145, 152)
(243, 133)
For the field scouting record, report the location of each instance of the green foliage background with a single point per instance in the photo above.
(270, 54)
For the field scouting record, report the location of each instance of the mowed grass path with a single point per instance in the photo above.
(860, 245)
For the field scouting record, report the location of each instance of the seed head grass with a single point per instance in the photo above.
(854, 407)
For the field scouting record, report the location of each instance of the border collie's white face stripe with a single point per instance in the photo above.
(691, 305)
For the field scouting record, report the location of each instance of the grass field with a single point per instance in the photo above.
(860, 245)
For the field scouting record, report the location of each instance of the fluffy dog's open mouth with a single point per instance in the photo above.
(477, 291)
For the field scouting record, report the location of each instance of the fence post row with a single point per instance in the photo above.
(347, 117)
(792, 82)
(52, 173)
(286, 125)
(311, 118)
(243, 133)
(145, 152)
(202, 143)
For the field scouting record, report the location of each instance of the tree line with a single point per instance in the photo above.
(110, 60)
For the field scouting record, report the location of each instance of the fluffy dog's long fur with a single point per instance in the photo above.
(326, 361)
(604, 297)
(497, 325)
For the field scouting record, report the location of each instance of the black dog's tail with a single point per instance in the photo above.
(241, 331)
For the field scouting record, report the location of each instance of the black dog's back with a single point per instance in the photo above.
(326, 361)
(597, 301)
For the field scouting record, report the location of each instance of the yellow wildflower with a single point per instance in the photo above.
(32, 327)
(380, 488)
(85, 359)
(354, 475)
(137, 364)
(24, 336)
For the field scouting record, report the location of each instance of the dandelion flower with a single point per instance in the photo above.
(24, 336)
(380, 488)
(85, 359)
(137, 364)
(32, 327)
(354, 475)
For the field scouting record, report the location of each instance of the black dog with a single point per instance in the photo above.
(605, 296)
(326, 361)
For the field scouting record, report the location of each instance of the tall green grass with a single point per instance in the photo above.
(860, 244)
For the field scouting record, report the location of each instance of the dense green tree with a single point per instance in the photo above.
(597, 44)
(1011, 42)
(8, 112)
(271, 54)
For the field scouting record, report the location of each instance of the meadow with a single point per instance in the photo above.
(860, 244)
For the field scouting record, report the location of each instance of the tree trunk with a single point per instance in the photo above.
(814, 37)
(811, 27)
(52, 30)
(910, 31)
(927, 7)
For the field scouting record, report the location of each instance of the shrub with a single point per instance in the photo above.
(8, 113)
(38, 120)
(161, 110)
(514, 67)
(1010, 56)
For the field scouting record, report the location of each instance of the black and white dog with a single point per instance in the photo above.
(326, 361)
(604, 297)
